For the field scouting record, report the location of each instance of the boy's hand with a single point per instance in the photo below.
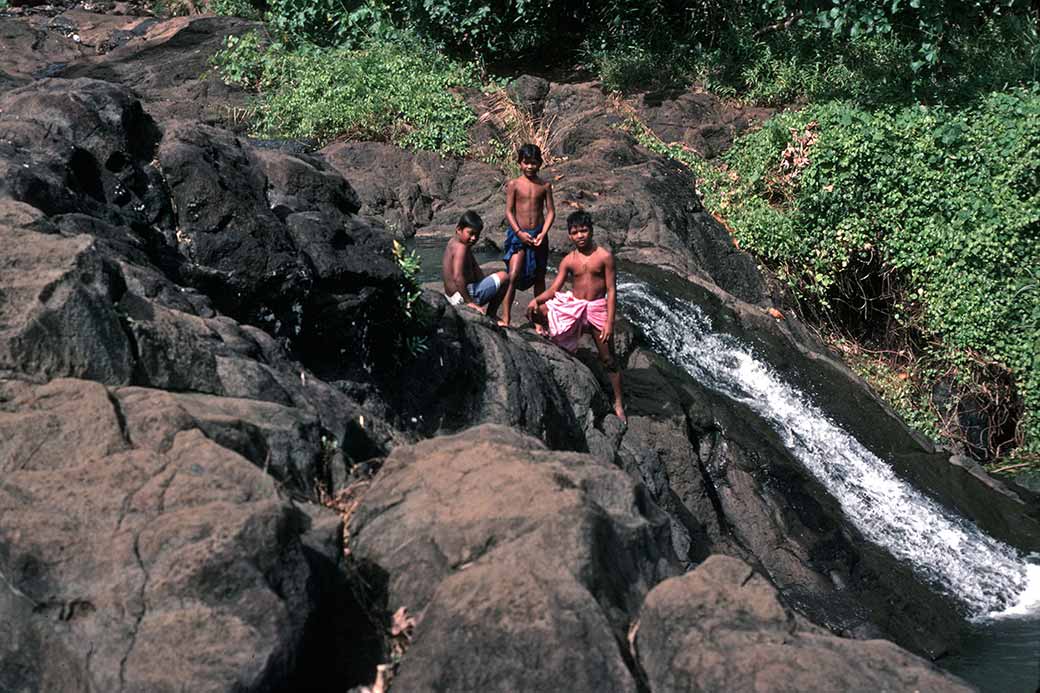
(532, 309)
(479, 309)
(525, 238)
(539, 238)
(606, 333)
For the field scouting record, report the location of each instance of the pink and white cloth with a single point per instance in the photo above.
(569, 316)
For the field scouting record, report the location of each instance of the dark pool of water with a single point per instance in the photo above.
(999, 656)
(431, 252)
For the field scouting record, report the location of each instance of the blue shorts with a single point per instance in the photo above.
(534, 262)
(481, 292)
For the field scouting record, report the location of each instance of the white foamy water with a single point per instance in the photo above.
(945, 550)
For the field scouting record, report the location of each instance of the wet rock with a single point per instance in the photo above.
(723, 627)
(81, 146)
(476, 372)
(239, 251)
(270, 236)
(458, 529)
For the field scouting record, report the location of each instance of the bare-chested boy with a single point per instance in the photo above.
(464, 281)
(530, 213)
(590, 305)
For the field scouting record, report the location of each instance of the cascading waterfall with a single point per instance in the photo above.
(946, 551)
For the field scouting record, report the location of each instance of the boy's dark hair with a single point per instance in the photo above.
(529, 152)
(579, 218)
(471, 220)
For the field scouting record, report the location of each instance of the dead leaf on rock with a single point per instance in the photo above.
(773, 312)
(402, 624)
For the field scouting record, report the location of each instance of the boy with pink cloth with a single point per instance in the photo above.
(589, 306)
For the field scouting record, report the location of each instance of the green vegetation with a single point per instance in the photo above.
(235, 8)
(930, 27)
(914, 229)
(807, 63)
(410, 339)
(399, 92)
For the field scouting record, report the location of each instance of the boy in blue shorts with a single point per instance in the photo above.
(464, 281)
(530, 213)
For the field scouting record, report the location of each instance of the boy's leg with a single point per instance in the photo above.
(516, 267)
(609, 361)
(540, 318)
(542, 255)
(496, 301)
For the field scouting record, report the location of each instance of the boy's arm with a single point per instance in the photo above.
(550, 214)
(458, 275)
(561, 277)
(611, 278)
(510, 215)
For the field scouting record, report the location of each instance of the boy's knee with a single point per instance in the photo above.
(609, 362)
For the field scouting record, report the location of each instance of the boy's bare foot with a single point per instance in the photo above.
(619, 411)
(503, 323)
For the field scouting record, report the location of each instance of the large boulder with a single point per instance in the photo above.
(723, 627)
(510, 554)
(149, 559)
(407, 188)
(81, 146)
(57, 316)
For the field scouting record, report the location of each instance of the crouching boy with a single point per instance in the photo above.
(464, 281)
(589, 306)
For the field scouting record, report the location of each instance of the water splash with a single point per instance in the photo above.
(944, 550)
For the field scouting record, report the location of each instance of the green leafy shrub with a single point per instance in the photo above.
(930, 26)
(632, 67)
(411, 339)
(235, 8)
(808, 63)
(399, 92)
(329, 22)
(942, 205)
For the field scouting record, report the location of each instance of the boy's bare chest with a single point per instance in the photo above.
(583, 265)
(529, 190)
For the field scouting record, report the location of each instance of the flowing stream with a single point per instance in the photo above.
(999, 587)
(946, 551)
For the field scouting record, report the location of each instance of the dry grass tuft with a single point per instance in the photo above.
(345, 502)
(520, 127)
